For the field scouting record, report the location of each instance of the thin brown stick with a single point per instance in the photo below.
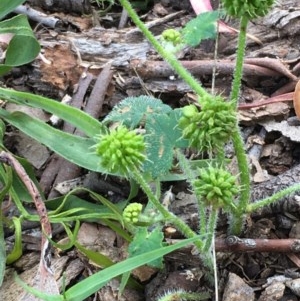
(93, 107)
(235, 244)
(239, 245)
(157, 69)
(279, 98)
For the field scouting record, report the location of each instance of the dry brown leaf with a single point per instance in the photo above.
(296, 99)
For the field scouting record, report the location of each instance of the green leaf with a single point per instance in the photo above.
(21, 50)
(70, 201)
(145, 241)
(160, 123)
(16, 252)
(162, 135)
(6, 174)
(93, 283)
(90, 285)
(102, 260)
(77, 150)
(89, 125)
(200, 28)
(2, 132)
(23, 47)
(135, 111)
(7, 6)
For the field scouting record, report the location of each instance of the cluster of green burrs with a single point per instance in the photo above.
(131, 212)
(247, 8)
(210, 128)
(216, 187)
(121, 150)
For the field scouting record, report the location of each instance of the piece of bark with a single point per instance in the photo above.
(289, 203)
(68, 6)
(54, 165)
(93, 107)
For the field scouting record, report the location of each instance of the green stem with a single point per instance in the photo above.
(238, 217)
(275, 197)
(238, 72)
(168, 57)
(212, 223)
(178, 223)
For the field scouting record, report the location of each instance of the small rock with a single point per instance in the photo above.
(237, 290)
(273, 292)
(294, 286)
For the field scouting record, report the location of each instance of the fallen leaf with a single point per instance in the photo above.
(296, 99)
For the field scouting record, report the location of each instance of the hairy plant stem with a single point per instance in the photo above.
(177, 222)
(212, 223)
(167, 56)
(275, 197)
(238, 217)
(239, 64)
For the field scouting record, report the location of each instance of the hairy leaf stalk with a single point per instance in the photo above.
(275, 197)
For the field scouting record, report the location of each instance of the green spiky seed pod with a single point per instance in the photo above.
(249, 8)
(216, 187)
(210, 128)
(121, 150)
(131, 212)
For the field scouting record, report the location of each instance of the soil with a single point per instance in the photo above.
(98, 65)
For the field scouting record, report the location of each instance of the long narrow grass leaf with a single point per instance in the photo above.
(75, 149)
(93, 283)
(89, 125)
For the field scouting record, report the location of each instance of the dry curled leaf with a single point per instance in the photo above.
(296, 99)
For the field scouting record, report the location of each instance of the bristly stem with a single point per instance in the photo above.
(177, 222)
(245, 184)
(238, 218)
(212, 223)
(167, 56)
(238, 72)
(275, 197)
